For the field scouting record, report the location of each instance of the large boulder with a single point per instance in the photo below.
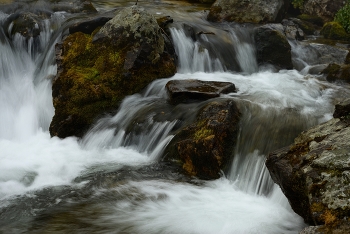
(196, 90)
(249, 11)
(204, 148)
(95, 72)
(272, 46)
(326, 9)
(314, 172)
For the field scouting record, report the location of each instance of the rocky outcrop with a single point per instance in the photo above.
(272, 46)
(335, 72)
(95, 72)
(250, 11)
(314, 172)
(183, 91)
(325, 9)
(205, 147)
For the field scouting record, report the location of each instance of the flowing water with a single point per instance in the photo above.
(113, 179)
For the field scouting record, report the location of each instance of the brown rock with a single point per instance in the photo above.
(196, 90)
(205, 147)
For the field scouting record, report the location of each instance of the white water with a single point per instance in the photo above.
(244, 202)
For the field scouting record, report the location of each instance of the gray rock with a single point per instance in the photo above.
(325, 9)
(128, 26)
(314, 172)
(252, 11)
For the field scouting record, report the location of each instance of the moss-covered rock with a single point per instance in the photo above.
(333, 30)
(95, 72)
(205, 147)
(314, 173)
(335, 72)
(272, 47)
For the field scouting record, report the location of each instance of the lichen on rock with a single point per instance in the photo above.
(314, 173)
(204, 148)
(95, 72)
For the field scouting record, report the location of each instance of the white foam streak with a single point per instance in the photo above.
(42, 161)
(217, 207)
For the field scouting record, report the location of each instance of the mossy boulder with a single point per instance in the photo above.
(334, 72)
(95, 72)
(250, 11)
(272, 46)
(333, 30)
(204, 148)
(314, 173)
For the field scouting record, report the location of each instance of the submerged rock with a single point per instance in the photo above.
(314, 173)
(195, 90)
(204, 148)
(26, 23)
(250, 11)
(95, 72)
(272, 46)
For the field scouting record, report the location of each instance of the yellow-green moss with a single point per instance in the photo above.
(334, 31)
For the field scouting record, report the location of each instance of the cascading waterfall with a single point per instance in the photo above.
(112, 179)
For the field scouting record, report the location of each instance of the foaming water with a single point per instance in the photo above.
(215, 207)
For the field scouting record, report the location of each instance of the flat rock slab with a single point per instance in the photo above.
(184, 91)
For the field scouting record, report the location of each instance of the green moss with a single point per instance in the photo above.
(311, 19)
(343, 17)
(94, 81)
(333, 30)
(202, 131)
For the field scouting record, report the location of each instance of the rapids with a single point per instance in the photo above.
(113, 179)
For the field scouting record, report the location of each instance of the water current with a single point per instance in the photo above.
(113, 179)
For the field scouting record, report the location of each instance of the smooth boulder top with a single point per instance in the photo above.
(183, 91)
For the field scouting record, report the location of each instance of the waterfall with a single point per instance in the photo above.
(113, 179)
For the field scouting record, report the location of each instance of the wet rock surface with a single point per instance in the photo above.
(184, 91)
(272, 46)
(204, 148)
(95, 72)
(314, 173)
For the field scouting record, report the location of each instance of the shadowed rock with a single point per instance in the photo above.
(204, 148)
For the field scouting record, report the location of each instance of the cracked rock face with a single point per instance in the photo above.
(314, 172)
